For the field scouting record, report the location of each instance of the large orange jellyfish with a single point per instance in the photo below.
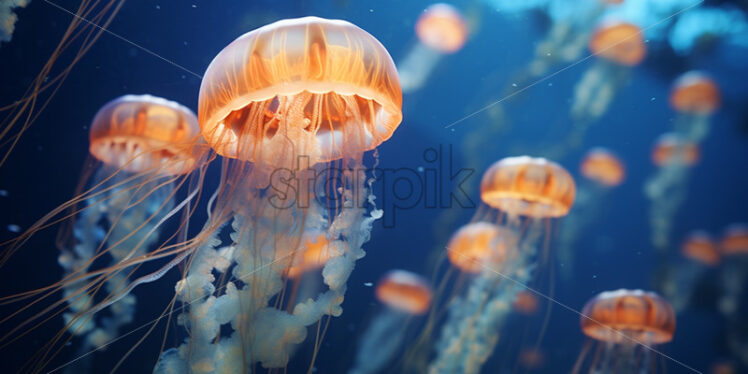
(520, 194)
(441, 29)
(405, 295)
(288, 105)
(699, 253)
(617, 46)
(602, 170)
(147, 148)
(625, 323)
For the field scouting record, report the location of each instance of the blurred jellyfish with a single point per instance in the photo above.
(146, 148)
(567, 38)
(521, 194)
(695, 97)
(733, 279)
(618, 46)
(624, 324)
(699, 253)
(8, 18)
(405, 295)
(292, 107)
(526, 303)
(666, 190)
(441, 30)
(531, 359)
(602, 170)
(697, 28)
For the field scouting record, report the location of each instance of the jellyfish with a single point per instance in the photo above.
(617, 46)
(624, 324)
(699, 253)
(441, 29)
(520, 195)
(602, 170)
(146, 149)
(733, 279)
(291, 107)
(567, 38)
(405, 296)
(695, 97)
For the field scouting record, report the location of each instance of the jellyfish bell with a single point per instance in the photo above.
(629, 315)
(142, 132)
(625, 324)
(307, 87)
(673, 148)
(619, 42)
(700, 247)
(442, 28)
(530, 187)
(405, 291)
(526, 303)
(695, 92)
(479, 245)
(603, 167)
(735, 240)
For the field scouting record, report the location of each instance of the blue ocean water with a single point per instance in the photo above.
(162, 48)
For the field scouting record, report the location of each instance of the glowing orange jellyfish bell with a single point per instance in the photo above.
(735, 239)
(620, 42)
(140, 133)
(479, 245)
(695, 93)
(617, 316)
(312, 254)
(700, 247)
(313, 87)
(527, 186)
(672, 147)
(603, 167)
(442, 27)
(405, 291)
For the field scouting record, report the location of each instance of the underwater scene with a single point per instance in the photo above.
(359, 186)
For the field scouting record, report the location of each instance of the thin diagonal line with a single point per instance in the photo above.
(125, 39)
(536, 292)
(159, 318)
(543, 79)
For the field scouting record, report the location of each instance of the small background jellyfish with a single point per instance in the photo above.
(695, 97)
(404, 295)
(624, 324)
(520, 195)
(441, 29)
(602, 170)
(697, 28)
(292, 107)
(145, 149)
(699, 253)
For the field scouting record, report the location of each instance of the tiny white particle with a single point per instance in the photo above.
(368, 284)
(194, 6)
(420, 169)
(4, 193)
(371, 10)
(14, 228)
(594, 276)
(652, 99)
(514, 84)
(158, 6)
